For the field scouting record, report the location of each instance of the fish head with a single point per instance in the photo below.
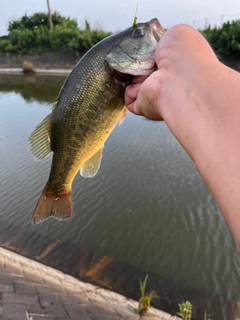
(134, 52)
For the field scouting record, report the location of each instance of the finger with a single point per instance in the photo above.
(131, 94)
(139, 79)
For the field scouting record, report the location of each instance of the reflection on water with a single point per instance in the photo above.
(32, 88)
(146, 211)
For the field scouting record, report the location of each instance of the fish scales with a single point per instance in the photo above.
(83, 128)
(88, 107)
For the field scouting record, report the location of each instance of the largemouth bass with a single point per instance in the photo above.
(88, 107)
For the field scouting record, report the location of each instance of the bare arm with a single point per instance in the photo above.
(199, 99)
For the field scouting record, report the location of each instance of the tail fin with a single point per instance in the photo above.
(52, 205)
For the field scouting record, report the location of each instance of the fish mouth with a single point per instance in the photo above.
(126, 77)
(157, 29)
(146, 64)
(122, 77)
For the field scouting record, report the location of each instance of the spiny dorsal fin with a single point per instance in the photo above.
(92, 165)
(39, 140)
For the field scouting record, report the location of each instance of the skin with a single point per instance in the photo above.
(199, 99)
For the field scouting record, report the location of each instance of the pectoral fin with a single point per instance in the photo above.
(39, 140)
(123, 115)
(91, 166)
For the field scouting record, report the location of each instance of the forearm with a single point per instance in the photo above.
(217, 156)
(207, 125)
(199, 99)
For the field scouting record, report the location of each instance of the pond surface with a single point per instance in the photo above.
(147, 211)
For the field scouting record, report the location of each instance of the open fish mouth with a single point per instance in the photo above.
(157, 29)
(123, 77)
(127, 77)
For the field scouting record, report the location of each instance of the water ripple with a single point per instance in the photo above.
(147, 206)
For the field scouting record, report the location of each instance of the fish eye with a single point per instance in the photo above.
(138, 33)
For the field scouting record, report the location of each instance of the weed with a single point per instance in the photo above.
(27, 67)
(206, 316)
(185, 310)
(145, 300)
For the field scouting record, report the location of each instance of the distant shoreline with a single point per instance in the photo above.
(41, 72)
(62, 64)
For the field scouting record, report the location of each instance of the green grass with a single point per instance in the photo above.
(185, 310)
(145, 300)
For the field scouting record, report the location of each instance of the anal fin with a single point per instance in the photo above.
(92, 165)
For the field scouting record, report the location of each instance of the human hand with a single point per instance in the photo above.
(198, 98)
(181, 55)
(186, 70)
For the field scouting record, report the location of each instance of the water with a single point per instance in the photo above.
(146, 211)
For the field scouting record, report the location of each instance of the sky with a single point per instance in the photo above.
(112, 15)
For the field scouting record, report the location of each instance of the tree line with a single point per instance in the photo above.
(225, 40)
(32, 35)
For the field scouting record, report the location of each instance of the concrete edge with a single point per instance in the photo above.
(75, 286)
(41, 72)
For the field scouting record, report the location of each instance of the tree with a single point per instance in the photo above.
(225, 40)
(49, 16)
(32, 34)
(41, 19)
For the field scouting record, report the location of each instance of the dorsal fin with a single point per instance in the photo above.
(92, 165)
(39, 140)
